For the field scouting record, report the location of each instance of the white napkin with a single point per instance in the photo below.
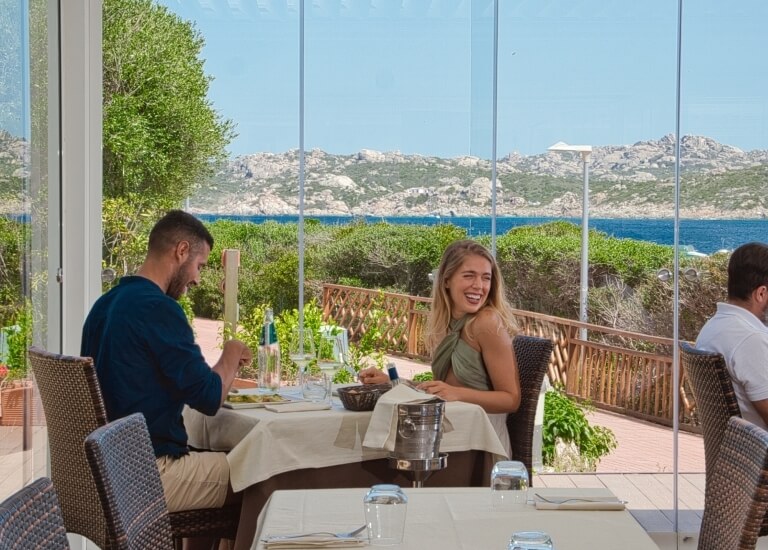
(314, 541)
(382, 429)
(576, 503)
(299, 407)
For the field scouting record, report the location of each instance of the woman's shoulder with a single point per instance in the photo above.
(487, 320)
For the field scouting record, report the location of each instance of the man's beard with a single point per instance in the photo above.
(178, 284)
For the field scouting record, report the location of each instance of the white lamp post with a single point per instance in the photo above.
(584, 151)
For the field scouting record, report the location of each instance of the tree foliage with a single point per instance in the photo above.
(161, 133)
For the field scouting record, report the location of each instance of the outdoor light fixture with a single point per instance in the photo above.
(689, 274)
(584, 151)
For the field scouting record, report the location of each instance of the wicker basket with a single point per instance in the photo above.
(363, 397)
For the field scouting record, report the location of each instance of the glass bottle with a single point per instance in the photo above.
(269, 355)
(394, 378)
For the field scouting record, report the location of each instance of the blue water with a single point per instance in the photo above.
(705, 236)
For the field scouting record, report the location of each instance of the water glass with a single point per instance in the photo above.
(385, 507)
(315, 386)
(509, 484)
(530, 540)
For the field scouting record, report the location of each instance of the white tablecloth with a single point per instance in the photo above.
(456, 519)
(264, 444)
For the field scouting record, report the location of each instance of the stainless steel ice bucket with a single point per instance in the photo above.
(419, 429)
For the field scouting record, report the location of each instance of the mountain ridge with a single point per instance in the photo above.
(717, 181)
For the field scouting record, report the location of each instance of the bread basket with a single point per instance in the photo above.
(362, 397)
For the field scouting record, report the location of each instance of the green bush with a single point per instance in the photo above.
(565, 419)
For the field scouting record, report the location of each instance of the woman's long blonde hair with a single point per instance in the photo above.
(439, 317)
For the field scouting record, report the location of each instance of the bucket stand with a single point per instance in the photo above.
(418, 469)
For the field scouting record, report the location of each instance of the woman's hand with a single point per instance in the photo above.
(441, 390)
(372, 375)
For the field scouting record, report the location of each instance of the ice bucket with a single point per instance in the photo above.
(419, 429)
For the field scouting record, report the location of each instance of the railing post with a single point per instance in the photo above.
(411, 327)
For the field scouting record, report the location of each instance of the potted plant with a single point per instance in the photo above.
(15, 388)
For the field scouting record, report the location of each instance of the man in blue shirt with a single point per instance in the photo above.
(147, 360)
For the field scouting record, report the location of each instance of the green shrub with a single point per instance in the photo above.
(565, 419)
(423, 376)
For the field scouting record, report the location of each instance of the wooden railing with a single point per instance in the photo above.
(622, 371)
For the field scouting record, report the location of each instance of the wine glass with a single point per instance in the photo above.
(301, 347)
(330, 351)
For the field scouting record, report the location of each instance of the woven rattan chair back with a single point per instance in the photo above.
(533, 355)
(713, 395)
(128, 482)
(736, 499)
(73, 408)
(31, 519)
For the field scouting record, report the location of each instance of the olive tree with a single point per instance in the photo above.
(161, 133)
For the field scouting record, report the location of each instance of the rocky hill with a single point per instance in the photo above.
(625, 181)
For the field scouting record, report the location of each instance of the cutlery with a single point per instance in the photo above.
(577, 499)
(349, 535)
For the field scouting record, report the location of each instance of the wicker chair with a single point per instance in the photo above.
(123, 465)
(74, 407)
(533, 355)
(736, 498)
(715, 402)
(31, 519)
(713, 394)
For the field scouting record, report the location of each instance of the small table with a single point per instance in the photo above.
(456, 519)
(262, 444)
(323, 449)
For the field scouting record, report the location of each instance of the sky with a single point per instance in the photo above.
(416, 75)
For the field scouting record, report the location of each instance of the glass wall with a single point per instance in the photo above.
(409, 109)
(28, 135)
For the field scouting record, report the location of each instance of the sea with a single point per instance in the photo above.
(702, 236)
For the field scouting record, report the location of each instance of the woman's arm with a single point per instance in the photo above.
(487, 335)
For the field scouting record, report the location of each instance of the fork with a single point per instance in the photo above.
(349, 535)
(575, 499)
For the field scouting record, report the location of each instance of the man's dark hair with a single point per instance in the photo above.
(177, 226)
(747, 270)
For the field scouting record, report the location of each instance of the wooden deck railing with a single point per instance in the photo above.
(622, 371)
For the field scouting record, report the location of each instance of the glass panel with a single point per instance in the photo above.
(599, 75)
(24, 313)
(724, 124)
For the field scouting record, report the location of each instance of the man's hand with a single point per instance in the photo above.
(372, 375)
(234, 355)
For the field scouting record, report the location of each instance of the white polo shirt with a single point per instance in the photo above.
(742, 339)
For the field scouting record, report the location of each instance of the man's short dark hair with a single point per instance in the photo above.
(177, 226)
(747, 270)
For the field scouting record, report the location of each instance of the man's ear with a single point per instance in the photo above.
(182, 250)
(760, 294)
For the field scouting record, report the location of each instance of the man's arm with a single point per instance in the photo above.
(762, 409)
(234, 355)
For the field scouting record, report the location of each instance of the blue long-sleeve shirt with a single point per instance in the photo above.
(147, 361)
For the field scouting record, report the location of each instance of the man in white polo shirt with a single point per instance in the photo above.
(738, 332)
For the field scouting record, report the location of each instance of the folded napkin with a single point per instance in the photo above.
(313, 541)
(299, 407)
(382, 429)
(578, 503)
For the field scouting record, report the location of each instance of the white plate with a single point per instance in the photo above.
(256, 405)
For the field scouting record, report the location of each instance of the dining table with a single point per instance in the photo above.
(459, 518)
(324, 448)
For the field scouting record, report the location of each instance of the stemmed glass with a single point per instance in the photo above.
(330, 353)
(301, 347)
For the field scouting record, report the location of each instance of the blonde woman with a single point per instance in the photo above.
(469, 333)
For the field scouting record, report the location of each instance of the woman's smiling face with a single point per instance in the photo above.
(468, 288)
